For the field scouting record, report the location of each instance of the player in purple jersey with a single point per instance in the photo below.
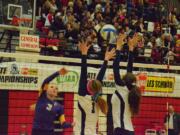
(47, 109)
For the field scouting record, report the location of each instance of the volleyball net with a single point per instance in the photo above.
(21, 75)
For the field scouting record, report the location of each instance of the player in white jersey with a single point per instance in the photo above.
(89, 96)
(126, 99)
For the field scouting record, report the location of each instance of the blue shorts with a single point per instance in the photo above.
(121, 131)
(42, 132)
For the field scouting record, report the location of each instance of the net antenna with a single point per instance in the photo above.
(167, 93)
(26, 56)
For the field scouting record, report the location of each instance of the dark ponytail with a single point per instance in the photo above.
(134, 99)
(134, 96)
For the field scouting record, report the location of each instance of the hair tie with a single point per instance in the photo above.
(95, 96)
(133, 84)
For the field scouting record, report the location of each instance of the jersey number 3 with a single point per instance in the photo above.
(49, 107)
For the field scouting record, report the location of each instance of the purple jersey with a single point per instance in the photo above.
(46, 112)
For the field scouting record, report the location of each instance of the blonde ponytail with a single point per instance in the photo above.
(95, 87)
(102, 105)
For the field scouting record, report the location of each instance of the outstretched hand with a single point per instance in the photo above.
(120, 41)
(84, 47)
(63, 71)
(133, 42)
(110, 54)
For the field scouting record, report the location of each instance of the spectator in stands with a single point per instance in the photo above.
(42, 7)
(139, 25)
(98, 17)
(157, 30)
(172, 121)
(173, 22)
(53, 5)
(107, 14)
(49, 18)
(50, 34)
(47, 109)
(140, 44)
(156, 54)
(177, 50)
(139, 6)
(75, 17)
(39, 4)
(71, 33)
(161, 8)
(160, 41)
(46, 6)
(58, 24)
(78, 9)
(163, 21)
(170, 56)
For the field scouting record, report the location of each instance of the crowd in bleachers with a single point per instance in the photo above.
(62, 23)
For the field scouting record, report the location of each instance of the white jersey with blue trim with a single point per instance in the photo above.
(86, 116)
(122, 116)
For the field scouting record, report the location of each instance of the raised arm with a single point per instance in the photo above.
(130, 62)
(82, 91)
(116, 68)
(132, 43)
(108, 55)
(44, 87)
(49, 79)
(62, 71)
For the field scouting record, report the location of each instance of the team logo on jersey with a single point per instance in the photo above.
(49, 107)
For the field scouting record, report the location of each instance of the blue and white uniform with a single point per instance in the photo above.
(88, 111)
(120, 106)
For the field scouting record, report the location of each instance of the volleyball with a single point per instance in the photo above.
(108, 33)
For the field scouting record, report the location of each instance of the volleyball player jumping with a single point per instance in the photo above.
(89, 95)
(47, 109)
(126, 99)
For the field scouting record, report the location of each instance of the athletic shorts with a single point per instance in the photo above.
(42, 132)
(120, 131)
